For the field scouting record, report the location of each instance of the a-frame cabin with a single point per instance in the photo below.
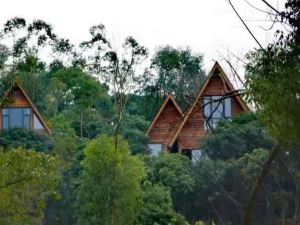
(217, 100)
(164, 125)
(17, 110)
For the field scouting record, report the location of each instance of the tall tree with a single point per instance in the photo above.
(273, 82)
(109, 196)
(27, 179)
(80, 89)
(177, 71)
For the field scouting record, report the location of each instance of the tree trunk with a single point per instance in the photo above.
(248, 216)
(81, 124)
(296, 210)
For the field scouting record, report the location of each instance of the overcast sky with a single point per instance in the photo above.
(206, 26)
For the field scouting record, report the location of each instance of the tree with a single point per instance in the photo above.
(234, 139)
(84, 91)
(272, 78)
(175, 172)
(69, 148)
(179, 72)
(27, 179)
(27, 139)
(273, 84)
(110, 184)
(30, 38)
(232, 160)
(133, 130)
(143, 105)
(158, 207)
(121, 74)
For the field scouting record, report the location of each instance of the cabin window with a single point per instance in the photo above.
(196, 155)
(37, 123)
(155, 149)
(216, 108)
(16, 117)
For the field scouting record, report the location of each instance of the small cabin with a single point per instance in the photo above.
(17, 110)
(164, 125)
(175, 131)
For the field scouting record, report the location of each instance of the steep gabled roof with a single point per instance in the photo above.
(16, 84)
(167, 99)
(221, 73)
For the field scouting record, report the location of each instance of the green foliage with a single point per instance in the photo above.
(175, 172)
(84, 89)
(251, 164)
(179, 72)
(233, 159)
(65, 138)
(273, 76)
(27, 179)
(233, 140)
(133, 130)
(27, 139)
(109, 184)
(110, 190)
(171, 170)
(143, 105)
(157, 206)
(62, 210)
(76, 91)
(273, 83)
(91, 124)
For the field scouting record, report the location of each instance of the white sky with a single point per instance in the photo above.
(206, 26)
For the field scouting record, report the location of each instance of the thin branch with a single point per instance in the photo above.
(271, 7)
(236, 12)
(248, 216)
(216, 212)
(254, 7)
(230, 197)
(10, 183)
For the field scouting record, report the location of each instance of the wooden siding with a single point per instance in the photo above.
(17, 98)
(187, 131)
(192, 133)
(217, 86)
(165, 126)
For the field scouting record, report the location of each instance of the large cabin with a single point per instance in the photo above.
(17, 110)
(174, 131)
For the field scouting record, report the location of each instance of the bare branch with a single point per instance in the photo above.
(258, 184)
(236, 12)
(271, 7)
(20, 180)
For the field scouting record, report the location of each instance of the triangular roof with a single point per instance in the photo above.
(221, 73)
(167, 99)
(16, 84)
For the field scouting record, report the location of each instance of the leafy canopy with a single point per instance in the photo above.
(27, 179)
(110, 184)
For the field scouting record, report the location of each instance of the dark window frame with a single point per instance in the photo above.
(213, 120)
(25, 115)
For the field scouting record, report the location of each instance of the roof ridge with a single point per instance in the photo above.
(169, 97)
(17, 84)
(189, 111)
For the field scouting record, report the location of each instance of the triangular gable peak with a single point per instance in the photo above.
(17, 108)
(166, 121)
(191, 130)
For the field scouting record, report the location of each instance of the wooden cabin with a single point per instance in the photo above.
(17, 110)
(174, 131)
(164, 125)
